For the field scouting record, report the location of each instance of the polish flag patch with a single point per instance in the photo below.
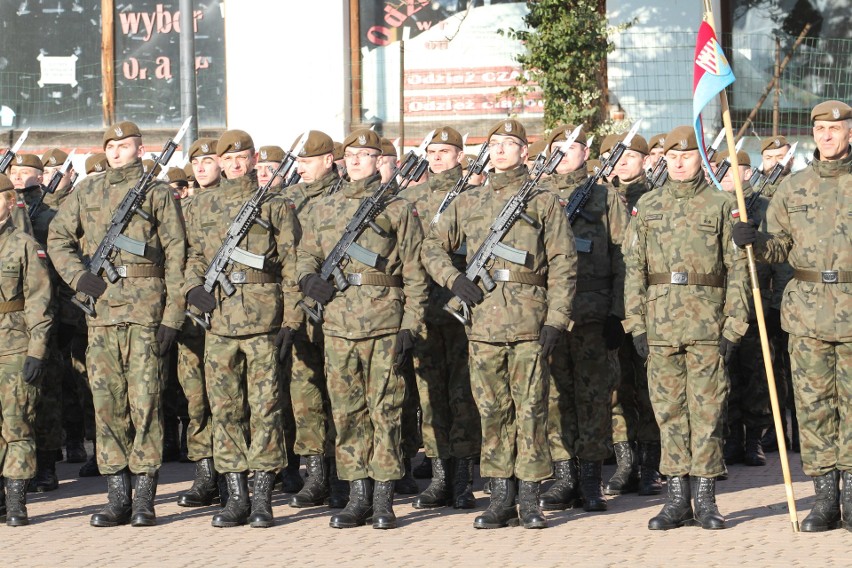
(414, 212)
(41, 253)
(634, 212)
(735, 213)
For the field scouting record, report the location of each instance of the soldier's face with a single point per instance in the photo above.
(361, 163)
(264, 173)
(575, 157)
(772, 156)
(7, 200)
(683, 165)
(206, 170)
(727, 182)
(386, 165)
(315, 167)
(66, 179)
(654, 156)
(506, 152)
(237, 164)
(122, 152)
(443, 157)
(832, 139)
(25, 176)
(630, 166)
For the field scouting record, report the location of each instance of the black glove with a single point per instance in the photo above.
(745, 233)
(32, 369)
(467, 291)
(727, 349)
(315, 287)
(166, 337)
(613, 332)
(773, 322)
(284, 341)
(201, 299)
(402, 348)
(548, 339)
(91, 285)
(640, 343)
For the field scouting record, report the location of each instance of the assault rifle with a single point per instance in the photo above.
(476, 168)
(51, 186)
(491, 247)
(714, 147)
(723, 168)
(769, 179)
(130, 205)
(9, 154)
(411, 168)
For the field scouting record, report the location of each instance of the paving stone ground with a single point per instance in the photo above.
(753, 499)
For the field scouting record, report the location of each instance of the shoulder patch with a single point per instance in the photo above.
(735, 213)
(634, 212)
(41, 253)
(414, 211)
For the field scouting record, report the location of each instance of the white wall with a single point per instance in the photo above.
(287, 68)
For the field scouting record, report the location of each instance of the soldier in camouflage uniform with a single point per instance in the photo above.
(250, 331)
(515, 327)
(808, 224)
(136, 319)
(369, 328)
(584, 368)
(268, 160)
(451, 435)
(52, 161)
(633, 422)
(26, 314)
(686, 300)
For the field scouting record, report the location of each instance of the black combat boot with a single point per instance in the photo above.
(261, 500)
(846, 499)
(565, 492)
(143, 500)
(383, 517)
(171, 439)
(770, 438)
(649, 469)
(16, 502)
(501, 511)
(237, 509)
(118, 509)
(204, 487)
(626, 476)
(360, 507)
(438, 494)
(290, 479)
(90, 468)
(222, 485)
(407, 485)
(486, 486)
(2, 499)
(45, 478)
(463, 484)
(706, 512)
(677, 511)
(339, 488)
(734, 450)
(591, 486)
(316, 490)
(825, 515)
(424, 469)
(75, 451)
(528, 507)
(754, 455)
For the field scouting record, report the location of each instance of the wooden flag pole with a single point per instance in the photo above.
(755, 287)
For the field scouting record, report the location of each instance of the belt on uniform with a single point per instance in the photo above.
(140, 271)
(686, 278)
(505, 275)
(12, 306)
(373, 279)
(823, 276)
(251, 277)
(594, 284)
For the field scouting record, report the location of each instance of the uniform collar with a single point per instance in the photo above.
(446, 180)
(688, 188)
(362, 187)
(499, 181)
(832, 169)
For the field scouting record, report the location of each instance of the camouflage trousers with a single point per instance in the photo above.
(411, 438)
(17, 413)
(126, 381)
(77, 410)
(689, 391)
(314, 433)
(48, 418)
(632, 414)
(366, 402)
(450, 418)
(749, 399)
(822, 387)
(244, 390)
(510, 385)
(190, 374)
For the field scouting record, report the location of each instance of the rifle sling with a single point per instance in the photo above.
(12, 306)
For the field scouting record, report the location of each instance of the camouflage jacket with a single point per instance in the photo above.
(56, 199)
(685, 227)
(780, 272)
(600, 272)
(631, 192)
(24, 277)
(43, 216)
(512, 311)
(302, 194)
(808, 221)
(80, 226)
(255, 307)
(20, 215)
(368, 311)
(427, 198)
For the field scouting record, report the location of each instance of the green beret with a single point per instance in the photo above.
(28, 161)
(561, 133)
(175, 174)
(53, 158)
(318, 143)
(607, 143)
(120, 131)
(448, 135)
(657, 141)
(637, 144)
(5, 183)
(510, 127)
(388, 149)
(743, 158)
(537, 148)
(831, 111)
(234, 141)
(96, 163)
(363, 138)
(148, 164)
(189, 172)
(270, 154)
(338, 151)
(202, 147)
(681, 139)
(773, 143)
